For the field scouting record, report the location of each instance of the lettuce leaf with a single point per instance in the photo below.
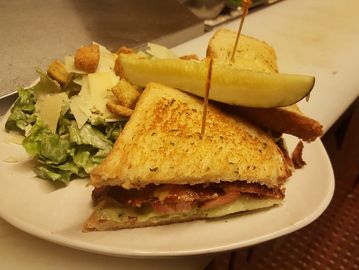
(89, 135)
(75, 153)
(48, 173)
(46, 145)
(22, 113)
(45, 85)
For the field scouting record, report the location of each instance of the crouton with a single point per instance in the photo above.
(190, 57)
(118, 67)
(125, 49)
(126, 93)
(58, 72)
(87, 58)
(119, 109)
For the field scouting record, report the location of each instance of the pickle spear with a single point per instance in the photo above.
(189, 76)
(227, 84)
(257, 89)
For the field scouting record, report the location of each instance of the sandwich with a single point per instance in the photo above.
(162, 171)
(255, 55)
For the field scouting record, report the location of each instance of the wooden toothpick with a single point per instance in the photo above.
(245, 6)
(205, 102)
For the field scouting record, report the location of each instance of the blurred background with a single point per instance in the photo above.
(36, 32)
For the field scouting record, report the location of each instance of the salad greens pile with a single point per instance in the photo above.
(65, 122)
(69, 152)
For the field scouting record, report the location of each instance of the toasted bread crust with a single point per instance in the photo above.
(251, 53)
(285, 120)
(161, 144)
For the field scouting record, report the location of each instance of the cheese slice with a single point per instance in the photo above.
(80, 108)
(100, 84)
(81, 104)
(107, 60)
(95, 92)
(49, 108)
(85, 87)
(160, 52)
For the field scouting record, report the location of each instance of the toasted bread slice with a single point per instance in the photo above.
(251, 54)
(256, 55)
(161, 144)
(289, 120)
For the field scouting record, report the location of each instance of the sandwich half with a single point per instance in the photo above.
(253, 54)
(161, 171)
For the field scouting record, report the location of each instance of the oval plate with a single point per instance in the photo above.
(57, 214)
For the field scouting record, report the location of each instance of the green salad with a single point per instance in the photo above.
(66, 128)
(72, 116)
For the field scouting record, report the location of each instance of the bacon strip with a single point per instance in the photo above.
(297, 156)
(166, 199)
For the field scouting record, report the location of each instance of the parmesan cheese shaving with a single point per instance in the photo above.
(160, 51)
(107, 60)
(80, 109)
(49, 108)
(100, 84)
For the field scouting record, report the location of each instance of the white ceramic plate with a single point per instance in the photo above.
(37, 207)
